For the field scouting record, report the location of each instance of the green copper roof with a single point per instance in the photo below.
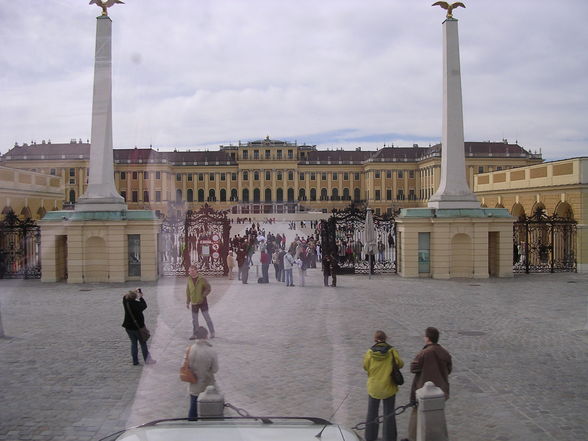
(443, 213)
(130, 215)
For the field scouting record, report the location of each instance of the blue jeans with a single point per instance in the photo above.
(389, 430)
(203, 308)
(288, 277)
(134, 336)
(193, 412)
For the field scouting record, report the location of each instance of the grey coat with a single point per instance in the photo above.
(203, 362)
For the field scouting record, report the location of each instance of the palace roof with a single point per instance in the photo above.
(81, 150)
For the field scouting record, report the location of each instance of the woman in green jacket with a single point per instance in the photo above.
(377, 362)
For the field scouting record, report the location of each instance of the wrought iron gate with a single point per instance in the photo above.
(343, 235)
(200, 238)
(20, 248)
(544, 244)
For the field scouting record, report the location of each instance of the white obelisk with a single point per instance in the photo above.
(101, 194)
(453, 191)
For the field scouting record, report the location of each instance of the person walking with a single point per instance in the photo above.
(326, 264)
(381, 249)
(334, 265)
(276, 262)
(302, 265)
(281, 255)
(197, 289)
(134, 304)
(288, 264)
(377, 362)
(434, 364)
(265, 259)
(203, 362)
(243, 262)
(230, 264)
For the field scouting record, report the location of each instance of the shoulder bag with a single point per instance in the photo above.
(396, 375)
(186, 373)
(144, 333)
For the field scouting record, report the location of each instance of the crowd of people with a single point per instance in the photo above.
(433, 362)
(247, 220)
(262, 249)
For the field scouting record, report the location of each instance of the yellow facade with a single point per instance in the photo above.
(29, 194)
(559, 188)
(267, 176)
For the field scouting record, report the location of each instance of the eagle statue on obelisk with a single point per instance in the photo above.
(105, 4)
(449, 6)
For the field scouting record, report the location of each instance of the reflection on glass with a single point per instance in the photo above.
(134, 245)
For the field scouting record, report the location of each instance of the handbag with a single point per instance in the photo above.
(144, 333)
(186, 373)
(396, 375)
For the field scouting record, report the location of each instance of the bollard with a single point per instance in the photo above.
(431, 425)
(211, 403)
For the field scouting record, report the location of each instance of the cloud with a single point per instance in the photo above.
(349, 72)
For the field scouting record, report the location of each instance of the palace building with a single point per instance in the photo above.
(265, 176)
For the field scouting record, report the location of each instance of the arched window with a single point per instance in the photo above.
(538, 209)
(357, 194)
(268, 195)
(190, 195)
(41, 212)
(211, 195)
(290, 195)
(564, 210)
(26, 213)
(201, 195)
(72, 196)
(335, 194)
(346, 194)
(301, 194)
(324, 195)
(518, 211)
(223, 195)
(178, 195)
(313, 194)
(234, 195)
(245, 197)
(256, 194)
(280, 195)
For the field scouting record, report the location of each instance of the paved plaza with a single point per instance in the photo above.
(519, 347)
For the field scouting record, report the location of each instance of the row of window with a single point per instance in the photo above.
(267, 154)
(268, 195)
(335, 175)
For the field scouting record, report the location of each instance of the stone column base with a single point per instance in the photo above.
(470, 243)
(85, 247)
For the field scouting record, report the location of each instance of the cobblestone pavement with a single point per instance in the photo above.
(519, 347)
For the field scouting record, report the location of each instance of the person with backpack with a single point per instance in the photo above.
(378, 363)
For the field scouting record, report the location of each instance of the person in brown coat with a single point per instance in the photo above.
(434, 364)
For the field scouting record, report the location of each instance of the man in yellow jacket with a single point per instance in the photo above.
(377, 362)
(197, 289)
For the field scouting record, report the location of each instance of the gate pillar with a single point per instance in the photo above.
(99, 246)
(446, 243)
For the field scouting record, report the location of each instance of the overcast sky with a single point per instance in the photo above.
(335, 73)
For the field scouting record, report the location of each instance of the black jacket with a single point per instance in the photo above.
(137, 307)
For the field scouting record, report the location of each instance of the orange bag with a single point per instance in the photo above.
(186, 373)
